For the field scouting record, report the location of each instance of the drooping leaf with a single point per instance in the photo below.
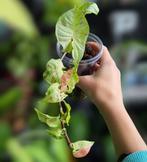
(56, 133)
(72, 30)
(54, 94)
(54, 71)
(89, 7)
(68, 80)
(81, 148)
(66, 115)
(52, 122)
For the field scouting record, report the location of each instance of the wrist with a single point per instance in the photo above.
(110, 106)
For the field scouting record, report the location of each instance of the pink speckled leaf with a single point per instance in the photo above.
(81, 148)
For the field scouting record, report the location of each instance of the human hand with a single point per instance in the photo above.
(104, 89)
(104, 86)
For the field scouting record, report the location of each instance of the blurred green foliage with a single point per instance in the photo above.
(24, 49)
(4, 136)
(15, 14)
(9, 99)
(37, 149)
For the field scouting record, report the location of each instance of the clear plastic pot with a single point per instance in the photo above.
(87, 64)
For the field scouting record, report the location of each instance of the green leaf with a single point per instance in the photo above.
(66, 115)
(52, 122)
(79, 2)
(74, 79)
(54, 94)
(69, 48)
(81, 148)
(89, 7)
(72, 29)
(56, 133)
(69, 80)
(54, 71)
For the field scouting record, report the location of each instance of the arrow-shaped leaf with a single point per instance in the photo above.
(81, 148)
(72, 29)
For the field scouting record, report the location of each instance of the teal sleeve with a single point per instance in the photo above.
(140, 156)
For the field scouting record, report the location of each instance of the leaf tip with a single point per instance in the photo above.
(36, 110)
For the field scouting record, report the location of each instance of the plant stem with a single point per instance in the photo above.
(63, 56)
(64, 129)
(66, 135)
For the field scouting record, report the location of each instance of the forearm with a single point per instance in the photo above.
(124, 134)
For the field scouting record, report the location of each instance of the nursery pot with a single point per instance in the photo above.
(87, 64)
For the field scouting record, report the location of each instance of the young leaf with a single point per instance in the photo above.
(54, 94)
(56, 133)
(68, 80)
(52, 122)
(81, 148)
(89, 7)
(54, 71)
(66, 115)
(72, 30)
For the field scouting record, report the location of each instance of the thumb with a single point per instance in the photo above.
(84, 82)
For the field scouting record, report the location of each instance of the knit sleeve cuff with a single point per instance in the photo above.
(140, 156)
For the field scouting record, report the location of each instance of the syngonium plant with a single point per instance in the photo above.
(72, 31)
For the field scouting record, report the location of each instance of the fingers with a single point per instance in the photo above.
(106, 57)
(85, 81)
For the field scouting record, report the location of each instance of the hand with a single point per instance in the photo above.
(104, 89)
(104, 86)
